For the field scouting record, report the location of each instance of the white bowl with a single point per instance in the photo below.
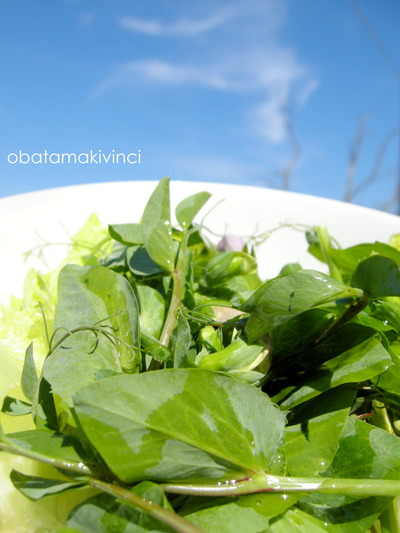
(54, 215)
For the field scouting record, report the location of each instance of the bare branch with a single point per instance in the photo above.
(392, 201)
(354, 157)
(376, 169)
(286, 173)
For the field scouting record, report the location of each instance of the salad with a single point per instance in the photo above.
(154, 382)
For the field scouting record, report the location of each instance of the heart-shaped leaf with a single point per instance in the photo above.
(180, 424)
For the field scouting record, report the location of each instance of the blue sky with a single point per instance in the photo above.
(207, 91)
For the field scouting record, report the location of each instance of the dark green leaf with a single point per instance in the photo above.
(14, 407)
(377, 276)
(29, 377)
(117, 259)
(156, 226)
(293, 335)
(344, 513)
(337, 399)
(357, 364)
(284, 297)
(36, 488)
(350, 335)
(140, 263)
(180, 425)
(43, 407)
(188, 208)
(181, 341)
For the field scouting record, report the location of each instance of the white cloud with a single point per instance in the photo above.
(246, 57)
(181, 27)
(156, 71)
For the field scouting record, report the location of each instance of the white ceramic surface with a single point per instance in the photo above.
(55, 214)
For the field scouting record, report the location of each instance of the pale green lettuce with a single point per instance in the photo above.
(22, 322)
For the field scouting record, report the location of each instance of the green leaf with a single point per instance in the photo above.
(297, 521)
(250, 513)
(285, 297)
(181, 341)
(104, 513)
(140, 263)
(152, 309)
(46, 446)
(126, 233)
(358, 364)
(116, 260)
(387, 312)
(29, 377)
(43, 407)
(366, 452)
(35, 487)
(337, 399)
(295, 334)
(14, 407)
(345, 514)
(350, 335)
(227, 265)
(153, 347)
(289, 268)
(156, 226)
(237, 356)
(389, 380)
(180, 424)
(311, 446)
(377, 276)
(347, 259)
(88, 297)
(188, 208)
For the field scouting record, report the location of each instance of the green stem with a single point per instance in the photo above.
(389, 519)
(325, 245)
(267, 483)
(164, 515)
(100, 244)
(80, 468)
(350, 313)
(381, 417)
(177, 290)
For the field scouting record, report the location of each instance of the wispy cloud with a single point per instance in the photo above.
(132, 73)
(248, 57)
(182, 27)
